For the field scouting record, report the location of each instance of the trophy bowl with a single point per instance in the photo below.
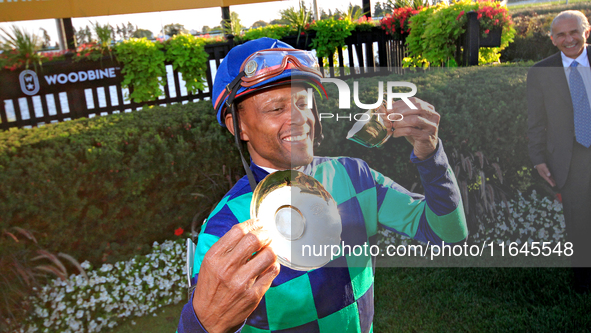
(371, 130)
(300, 216)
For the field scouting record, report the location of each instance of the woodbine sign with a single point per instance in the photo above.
(22, 10)
(52, 79)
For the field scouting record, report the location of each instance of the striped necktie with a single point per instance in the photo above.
(581, 106)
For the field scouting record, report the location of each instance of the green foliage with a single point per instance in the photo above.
(271, 31)
(104, 188)
(233, 26)
(436, 31)
(354, 13)
(330, 35)
(20, 48)
(98, 49)
(143, 67)
(143, 33)
(414, 4)
(259, 24)
(23, 266)
(103, 34)
(174, 29)
(415, 43)
(188, 56)
(297, 18)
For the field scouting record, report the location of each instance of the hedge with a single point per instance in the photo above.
(105, 188)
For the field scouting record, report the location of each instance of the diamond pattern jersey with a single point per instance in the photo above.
(339, 296)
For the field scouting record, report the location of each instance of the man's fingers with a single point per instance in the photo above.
(422, 130)
(422, 107)
(545, 174)
(264, 280)
(250, 243)
(414, 121)
(261, 261)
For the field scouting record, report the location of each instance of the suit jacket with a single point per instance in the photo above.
(551, 128)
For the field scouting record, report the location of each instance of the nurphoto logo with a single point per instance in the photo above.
(345, 97)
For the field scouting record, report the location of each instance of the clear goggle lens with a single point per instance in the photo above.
(267, 64)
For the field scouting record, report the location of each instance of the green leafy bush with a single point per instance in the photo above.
(436, 31)
(143, 67)
(188, 56)
(330, 34)
(272, 31)
(104, 188)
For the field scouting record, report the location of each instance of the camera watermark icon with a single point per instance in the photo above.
(345, 94)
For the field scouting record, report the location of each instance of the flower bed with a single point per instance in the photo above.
(111, 293)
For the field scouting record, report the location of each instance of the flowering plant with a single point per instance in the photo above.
(110, 293)
(364, 24)
(397, 24)
(19, 49)
(532, 218)
(436, 32)
(91, 51)
(490, 16)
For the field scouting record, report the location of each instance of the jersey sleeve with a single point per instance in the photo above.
(437, 216)
(228, 212)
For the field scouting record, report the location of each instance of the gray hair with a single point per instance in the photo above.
(581, 19)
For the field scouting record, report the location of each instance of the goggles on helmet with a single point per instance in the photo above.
(267, 66)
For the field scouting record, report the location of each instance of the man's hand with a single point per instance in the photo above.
(545, 173)
(231, 280)
(419, 126)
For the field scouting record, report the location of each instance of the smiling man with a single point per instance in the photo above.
(559, 121)
(260, 95)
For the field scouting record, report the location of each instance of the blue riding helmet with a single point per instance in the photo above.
(260, 64)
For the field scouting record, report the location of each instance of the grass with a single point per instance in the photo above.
(455, 300)
(166, 320)
(479, 300)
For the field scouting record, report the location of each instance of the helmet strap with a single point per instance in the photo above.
(238, 142)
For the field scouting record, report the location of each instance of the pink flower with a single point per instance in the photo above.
(460, 15)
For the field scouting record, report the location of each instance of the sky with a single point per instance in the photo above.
(191, 19)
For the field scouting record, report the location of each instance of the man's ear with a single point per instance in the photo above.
(229, 121)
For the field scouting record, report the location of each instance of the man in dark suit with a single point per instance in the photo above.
(559, 121)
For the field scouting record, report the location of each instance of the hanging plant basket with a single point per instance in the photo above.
(492, 39)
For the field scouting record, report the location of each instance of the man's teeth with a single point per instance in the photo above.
(296, 138)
